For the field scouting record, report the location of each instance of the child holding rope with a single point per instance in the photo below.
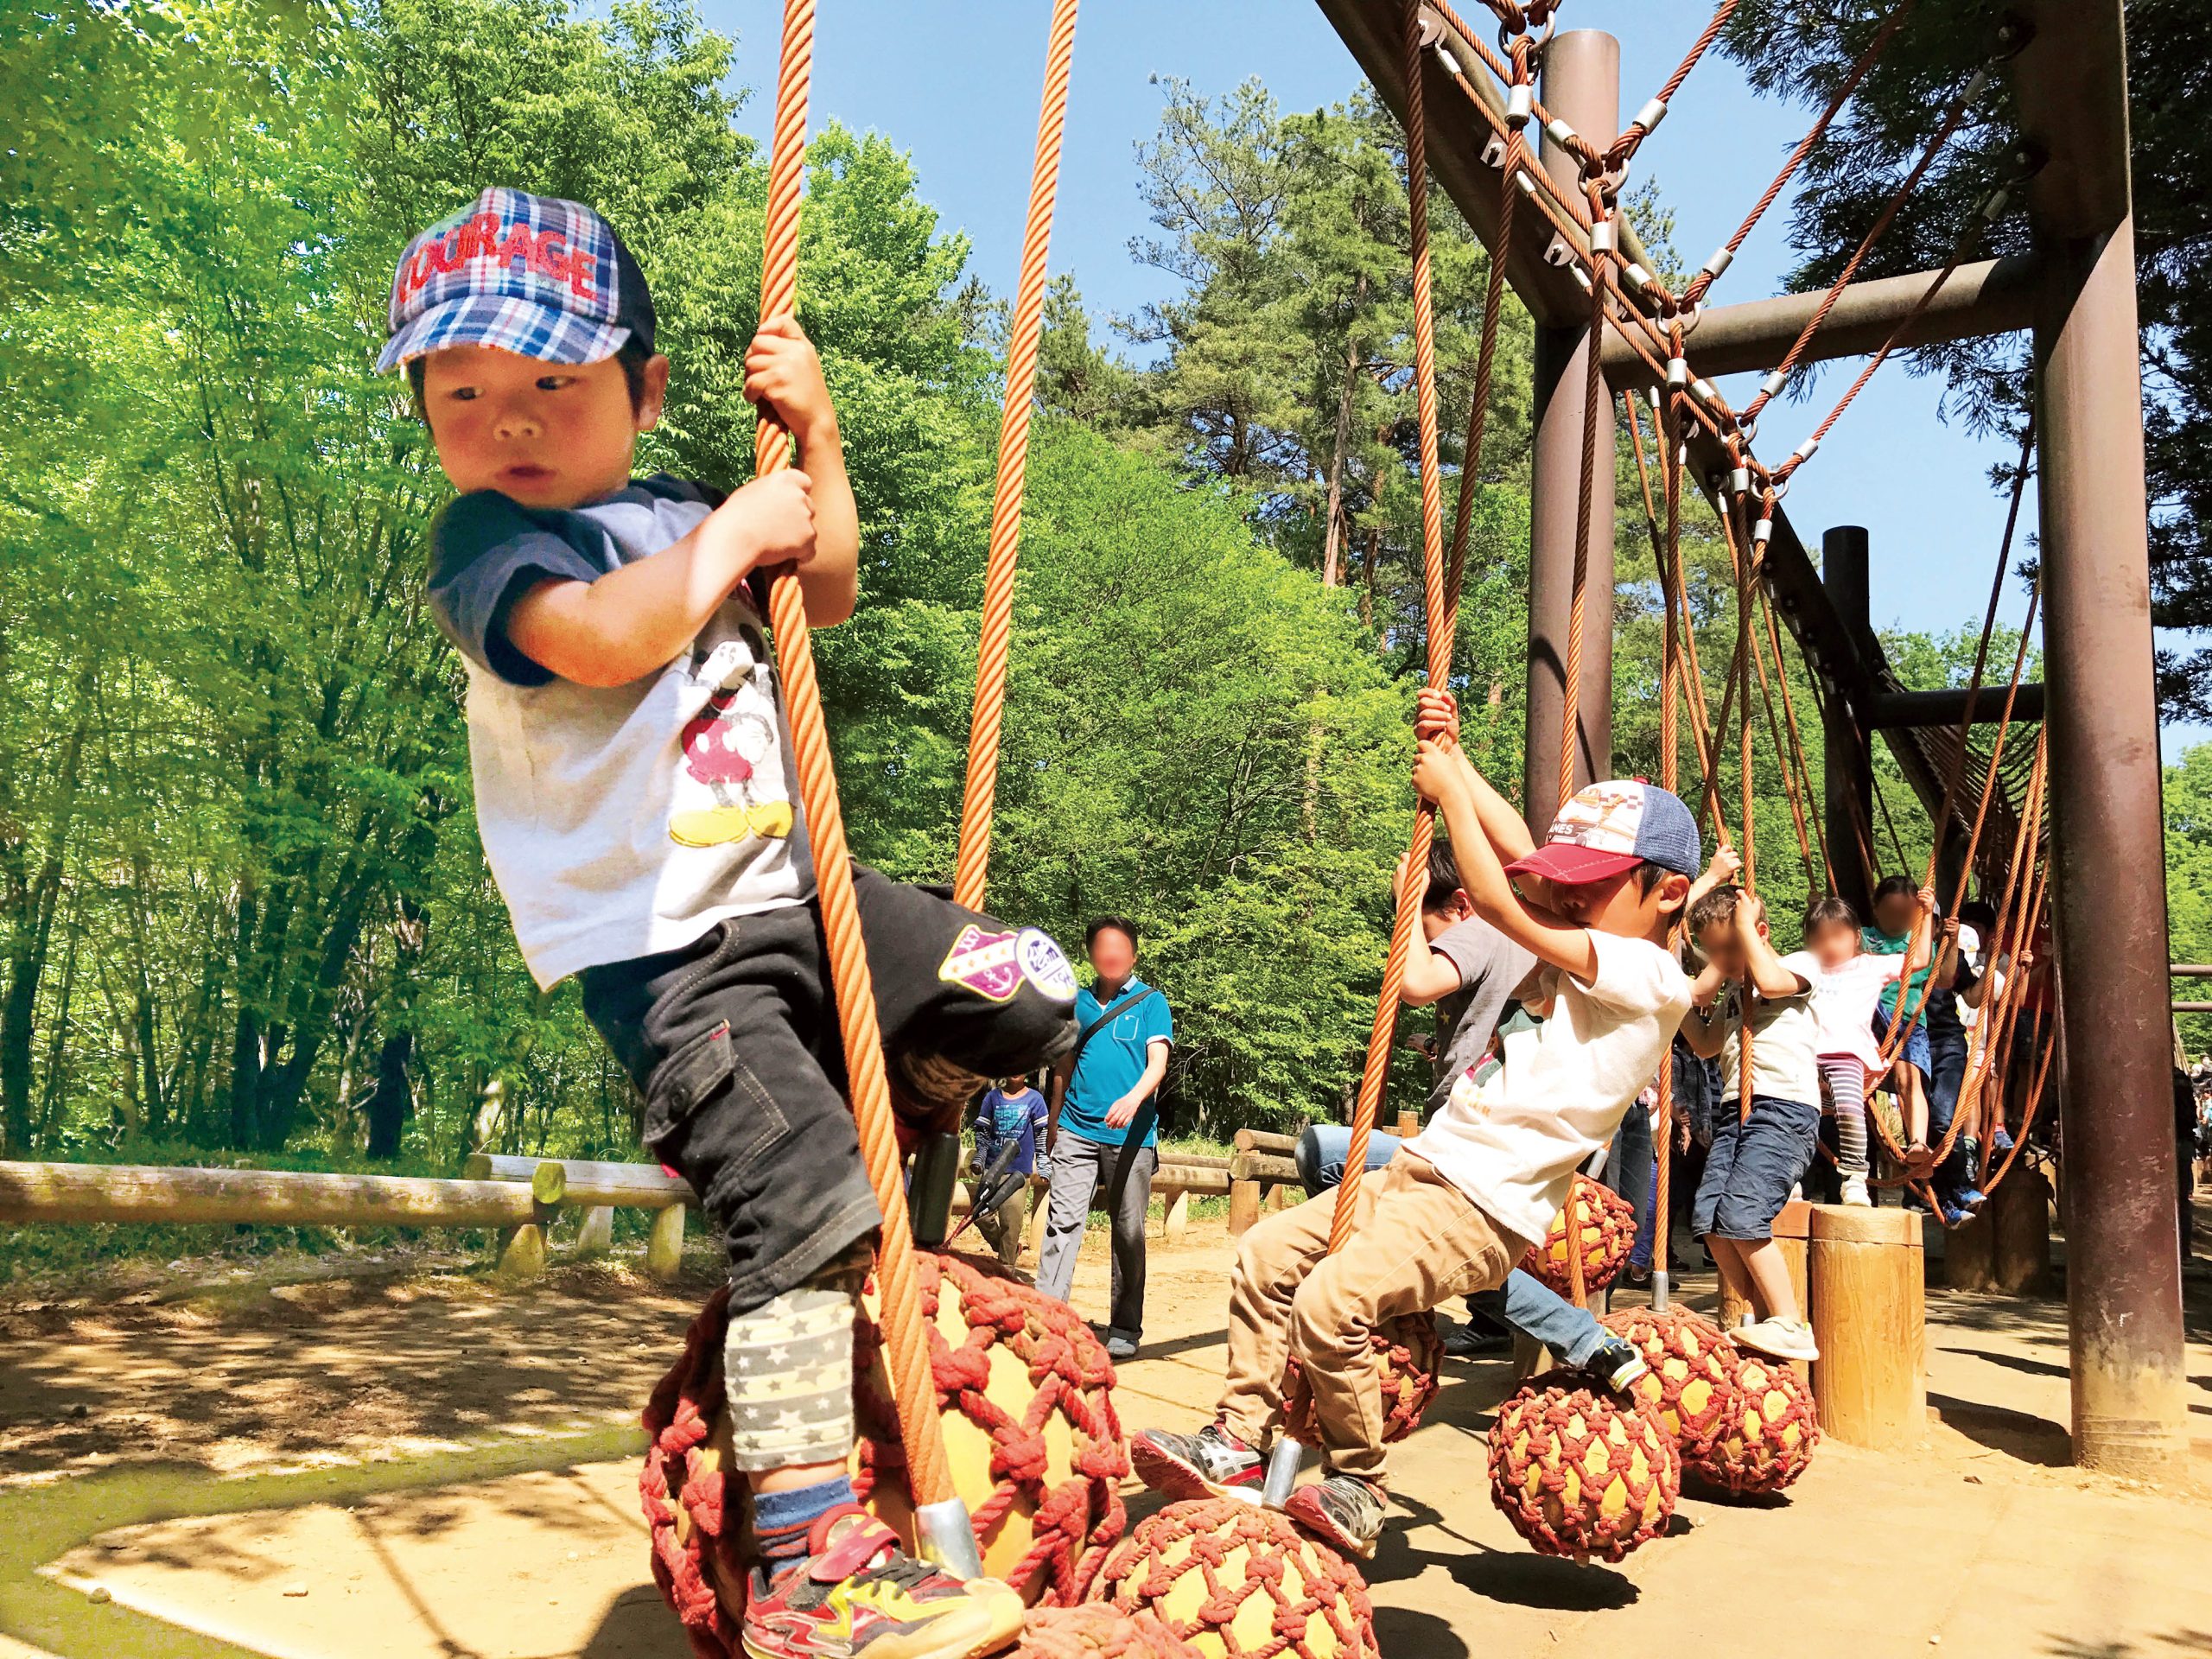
(632, 766)
(1758, 1157)
(1461, 1202)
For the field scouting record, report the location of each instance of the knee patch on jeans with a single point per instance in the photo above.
(787, 1366)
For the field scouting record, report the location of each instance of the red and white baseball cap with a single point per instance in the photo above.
(1610, 828)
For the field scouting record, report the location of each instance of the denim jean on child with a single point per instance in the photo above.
(1524, 1301)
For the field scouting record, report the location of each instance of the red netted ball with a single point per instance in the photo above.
(1608, 1234)
(1235, 1581)
(1578, 1474)
(1097, 1631)
(1410, 1354)
(1768, 1433)
(1692, 1384)
(1025, 1393)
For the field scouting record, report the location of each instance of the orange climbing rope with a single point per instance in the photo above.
(1442, 620)
(971, 871)
(905, 1337)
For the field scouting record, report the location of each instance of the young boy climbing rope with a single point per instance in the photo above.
(1462, 1200)
(1471, 972)
(1755, 1159)
(631, 758)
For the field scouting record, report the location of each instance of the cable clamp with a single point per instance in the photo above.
(1651, 116)
(1976, 85)
(1559, 133)
(1527, 183)
(1704, 392)
(1581, 277)
(1763, 531)
(1638, 277)
(1999, 199)
(1605, 237)
(1678, 373)
(1772, 386)
(1520, 103)
(1803, 451)
(1720, 260)
(1739, 480)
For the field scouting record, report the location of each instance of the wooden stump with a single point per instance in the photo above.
(1790, 1230)
(665, 1249)
(2018, 1216)
(1866, 1279)
(596, 1235)
(1174, 1213)
(1408, 1125)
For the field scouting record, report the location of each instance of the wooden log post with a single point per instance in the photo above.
(1791, 1228)
(1243, 1207)
(1408, 1125)
(1866, 1279)
(2018, 1214)
(1174, 1213)
(1260, 1179)
(1970, 1252)
(79, 1193)
(596, 1234)
(664, 1244)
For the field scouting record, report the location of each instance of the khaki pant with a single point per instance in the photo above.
(1002, 1227)
(1417, 1242)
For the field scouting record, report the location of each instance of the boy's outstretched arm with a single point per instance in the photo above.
(635, 621)
(1761, 966)
(784, 371)
(1726, 863)
(1436, 720)
(1444, 776)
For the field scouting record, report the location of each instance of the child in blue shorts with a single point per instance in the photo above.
(1755, 1161)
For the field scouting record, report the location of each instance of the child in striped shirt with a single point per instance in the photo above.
(1845, 999)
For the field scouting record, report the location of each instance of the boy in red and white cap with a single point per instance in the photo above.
(1463, 1200)
(633, 786)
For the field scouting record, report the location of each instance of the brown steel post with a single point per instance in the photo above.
(1581, 86)
(2123, 1253)
(1846, 745)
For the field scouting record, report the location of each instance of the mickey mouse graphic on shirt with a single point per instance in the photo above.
(730, 746)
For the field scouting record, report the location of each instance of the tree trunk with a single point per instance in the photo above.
(27, 953)
(1368, 555)
(245, 1038)
(1333, 528)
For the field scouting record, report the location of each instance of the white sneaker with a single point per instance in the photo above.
(1854, 1191)
(1779, 1338)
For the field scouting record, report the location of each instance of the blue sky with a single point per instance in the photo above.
(954, 83)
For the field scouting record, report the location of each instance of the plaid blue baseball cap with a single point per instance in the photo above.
(1613, 827)
(533, 275)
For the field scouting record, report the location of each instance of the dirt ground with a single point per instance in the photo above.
(405, 1464)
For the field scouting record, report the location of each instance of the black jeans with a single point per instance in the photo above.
(733, 1041)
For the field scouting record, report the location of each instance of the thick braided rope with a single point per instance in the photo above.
(971, 872)
(678, 1418)
(1671, 676)
(1376, 1069)
(1740, 553)
(1796, 742)
(1259, 1545)
(1070, 1376)
(1094, 1631)
(825, 823)
(1594, 397)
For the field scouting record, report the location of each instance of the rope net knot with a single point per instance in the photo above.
(1235, 1581)
(1768, 1435)
(1607, 1224)
(1580, 1475)
(1096, 1631)
(1026, 1393)
(1691, 1387)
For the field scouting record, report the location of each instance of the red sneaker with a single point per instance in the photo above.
(1341, 1510)
(858, 1595)
(1212, 1463)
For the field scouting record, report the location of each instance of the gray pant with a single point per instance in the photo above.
(1078, 1168)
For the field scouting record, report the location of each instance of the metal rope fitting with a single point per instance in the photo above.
(1720, 259)
(1803, 451)
(1559, 133)
(1772, 386)
(1520, 103)
(1605, 237)
(1638, 277)
(1678, 373)
(1739, 480)
(1651, 116)
(944, 1535)
(1704, 392)
(1763, 531)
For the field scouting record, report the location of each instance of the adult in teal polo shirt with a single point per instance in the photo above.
(1105, 1126)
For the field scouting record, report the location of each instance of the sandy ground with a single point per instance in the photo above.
(427, 1467)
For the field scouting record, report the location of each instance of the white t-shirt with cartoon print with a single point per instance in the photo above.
(619, 822)
(1512, 1141)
